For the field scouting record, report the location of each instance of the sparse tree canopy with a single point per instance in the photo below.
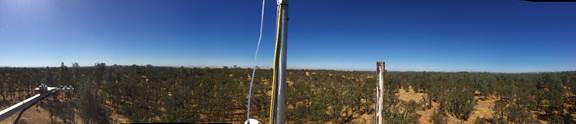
(179, 94)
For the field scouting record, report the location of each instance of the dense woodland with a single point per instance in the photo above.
(106, 93)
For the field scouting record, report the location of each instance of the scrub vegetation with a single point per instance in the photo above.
(136, 93)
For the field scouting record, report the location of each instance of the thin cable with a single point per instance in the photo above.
(255, 59)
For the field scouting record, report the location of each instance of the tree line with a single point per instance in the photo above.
(146, 93)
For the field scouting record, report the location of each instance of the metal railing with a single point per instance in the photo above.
(43, 92)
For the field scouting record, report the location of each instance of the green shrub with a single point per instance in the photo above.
(459, 103)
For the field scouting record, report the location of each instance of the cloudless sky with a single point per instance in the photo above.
(410, 35)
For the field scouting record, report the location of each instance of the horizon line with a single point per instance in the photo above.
(296, 68)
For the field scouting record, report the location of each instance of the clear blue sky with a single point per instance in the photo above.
(410, 35)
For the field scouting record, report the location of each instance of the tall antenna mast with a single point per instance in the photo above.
(277, 105)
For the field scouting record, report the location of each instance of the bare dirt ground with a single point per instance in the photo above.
(34, 115)
(482, 109)
(426, 115)
(410, 95)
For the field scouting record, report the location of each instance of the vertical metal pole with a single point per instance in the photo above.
(279, 75)
(380, 91)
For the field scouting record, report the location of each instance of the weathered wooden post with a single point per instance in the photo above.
(380, 69)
